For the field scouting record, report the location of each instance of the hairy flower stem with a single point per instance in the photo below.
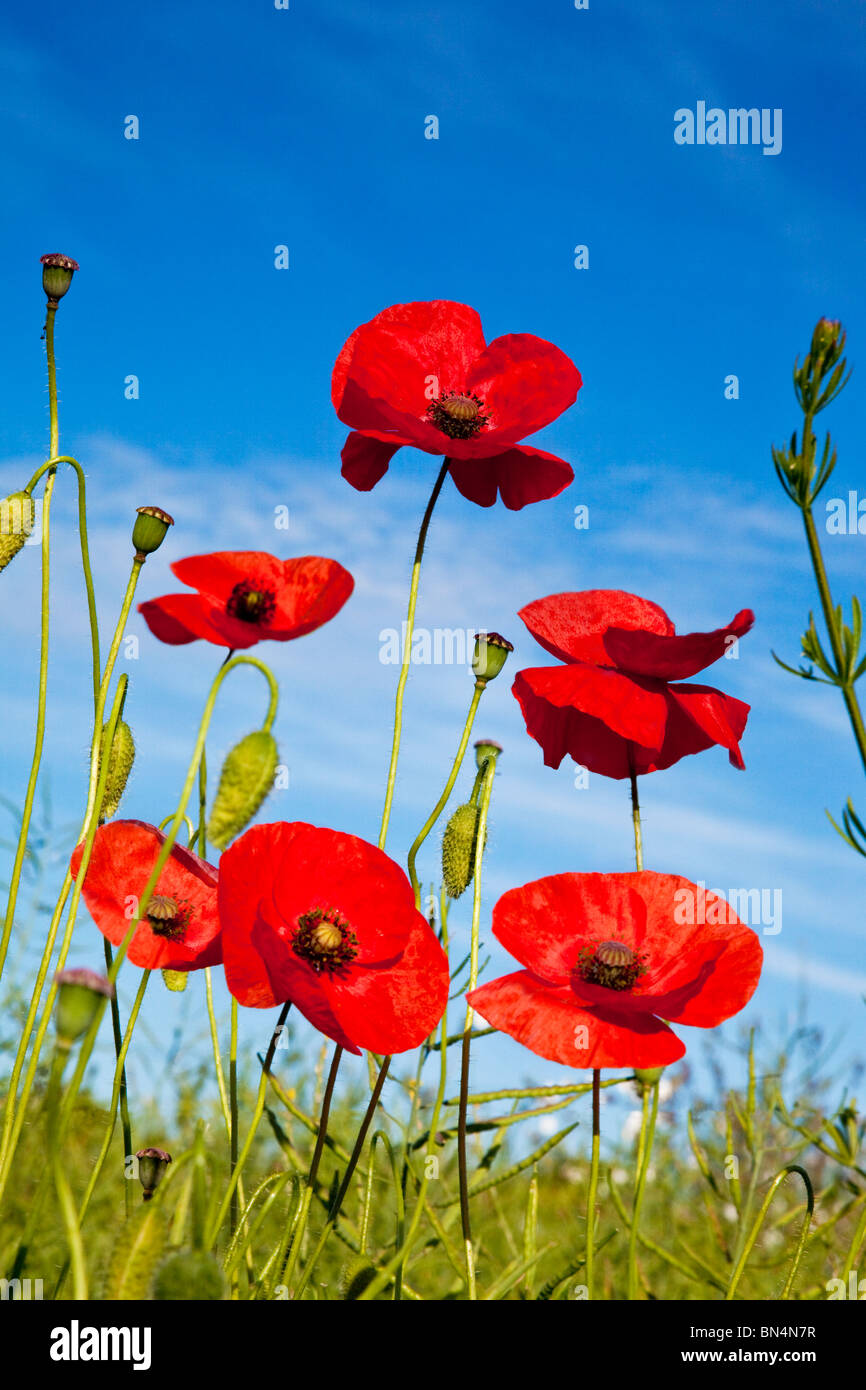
(431, 820)
(593, 1183)
(125, 1122)
(481, 839)
(294, 1251)
(68, 1213)
(407, 653)
(644, 1150)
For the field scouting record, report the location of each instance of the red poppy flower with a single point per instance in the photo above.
(329, 922)
(181, 929)
(422, 374)
(245, 596)
(613, 707)
(608, 957)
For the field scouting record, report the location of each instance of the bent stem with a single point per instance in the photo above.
(407, 653)
(593, 1183)
(481, 836)
(644, 1150)
(446, 791)
(753, 1234)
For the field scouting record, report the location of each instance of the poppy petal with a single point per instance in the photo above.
(366, 460)
(394, 1009)
(553, 698)
(520, 476)
(572, 626)
(549, 1021)
(701, 717)
(669, 657)
(312, 591)
(215, 575)
(175, 618)
(524, 382)
(566, 911)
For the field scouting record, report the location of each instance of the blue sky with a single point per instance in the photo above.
(306, 127)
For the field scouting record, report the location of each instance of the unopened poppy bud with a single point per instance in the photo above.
(79, 993)
(491, 652)
(152, 1164)
(175, 980)
(246, 778)
(190, 1274)
(120, 762)
(355, 1278)
(17, 518)
(647, 1077)
(458, 849)
(150, 529)
(57, 273)
(485, 749)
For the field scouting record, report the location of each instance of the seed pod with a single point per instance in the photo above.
(120, 762)
(17, 518)
(152, 1164)
(458, 849)
(189, 1275)
(79, 993)
(246, 778)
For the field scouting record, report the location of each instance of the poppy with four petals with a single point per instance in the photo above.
(617, 705)
(180, 930)
(423, 375)
(327, 921)
(246, 596)
(607, 958)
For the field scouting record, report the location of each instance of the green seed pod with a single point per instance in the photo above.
(57, 273)
(647, 1077)
(458, 849)
(119, 767)
(189, 1275)
(17, 519)
(79, 992)
(150, 529)
(246, 778)
(152, 1164)
(176, 980)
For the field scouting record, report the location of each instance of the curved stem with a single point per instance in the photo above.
(407, 653)
(446, 791)
(645, 1144)
(593, 1183)
(753, 1234)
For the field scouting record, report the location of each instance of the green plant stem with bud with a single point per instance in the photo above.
(431, 820)
(407, 653)
(489, 773)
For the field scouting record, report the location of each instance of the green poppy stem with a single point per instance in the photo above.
(593, 1183)
(644, 1150)
(434, 815)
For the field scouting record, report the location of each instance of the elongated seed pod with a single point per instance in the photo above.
(17, 518)
(120, 762)
(246, 778)
(458, 849)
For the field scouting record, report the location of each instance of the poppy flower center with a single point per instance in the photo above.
(167, 917)
(251, 605)
(325, 941)
(611, 964)
(459, 414)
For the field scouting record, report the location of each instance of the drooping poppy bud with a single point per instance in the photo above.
(120, 762)
(246, 778)
(17, 518)
(491, 653)
(150, 530)
(57, 273)
(458, 849)
(152, 1164)
(175, 980)
(79, 993)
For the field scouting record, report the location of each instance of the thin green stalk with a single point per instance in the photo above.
(407, 653)
(644, 1151)
(480, 841)
(68, 1213)
(233, 1109)
(849, 695)
(593, 1183)
(759, 1221)
(431, 820)
(301, 1226)
(125, 1122)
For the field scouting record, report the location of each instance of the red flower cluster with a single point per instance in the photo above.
(616, 706)
(329, 922)
(181, 929)
(607, 958)
(245, 596)
(422, 375)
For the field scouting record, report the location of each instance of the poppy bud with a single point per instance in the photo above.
(824, 337)
(17, 517)
(491, 652)
(78, 995)
(246, 778)
(120, 762)
(647, 1077)
(150, 530)
(152, 1164)
(355, 1277)
(189, 1275)
(176, 980)
(57, 273)
(485, 749)
(458, 849)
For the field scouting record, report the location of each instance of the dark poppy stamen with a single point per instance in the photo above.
(459, 414)
(166, 917)
(325, 941)
(611, 964)
(251, 605)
